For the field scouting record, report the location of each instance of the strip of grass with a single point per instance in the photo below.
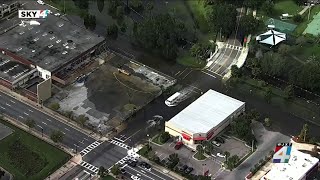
(108, 178)
(53, 157)
(286, 6)
(189, 61)
(199, 156)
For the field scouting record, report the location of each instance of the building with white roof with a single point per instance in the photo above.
(205, 117)
(300, 165)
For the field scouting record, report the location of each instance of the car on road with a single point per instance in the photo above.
(221, 155)
(40, 2)
(132, 163)
(178, 145)
(135, 177)
(220, 140)
(145, 165)
(216, 143)
(188, 170)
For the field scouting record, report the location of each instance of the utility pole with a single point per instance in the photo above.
(252, 145)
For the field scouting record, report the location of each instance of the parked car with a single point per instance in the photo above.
(145, 165)
(57, 14)
(221, 155)
(135, 177)
(216, 143)
(188, 170)
(178, 145)
(182, 168)
(220, 140)
(166, 162)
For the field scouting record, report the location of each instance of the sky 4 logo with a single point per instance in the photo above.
(33, 14)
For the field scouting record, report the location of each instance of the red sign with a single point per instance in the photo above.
(186, 137)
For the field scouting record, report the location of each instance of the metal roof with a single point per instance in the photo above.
(205, 113)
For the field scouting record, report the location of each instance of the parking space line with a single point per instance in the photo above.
(49, 120)
(44, 123)
(26, 113)
(208, 74)
(67, 129)
(2, 107)
(21, 117)
(30, 110)
(8, 104)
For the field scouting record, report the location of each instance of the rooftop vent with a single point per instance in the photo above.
(88, 38)
(64, 44)
(67, 47)
(58, 41)
(21, 33)
(35, 39)
(38, 31)
(50, 46)
(60, 25)
(50, 32)
(69, 41)
(44, 34)
(65, 52)
(52, 38)
(33, 51)
(19, 49)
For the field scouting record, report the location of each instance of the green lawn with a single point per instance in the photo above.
(305, 51)
(189, 61)
(43, 158)
(286, 6)
(69, 6)
(199, 156)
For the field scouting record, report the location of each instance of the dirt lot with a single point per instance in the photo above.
(108, 94)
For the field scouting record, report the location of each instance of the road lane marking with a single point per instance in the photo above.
(2, 107)
(81, 142)
(30, 110)
(139, 172)
(86, 139)
(63, 132)
(21, 117)
(118, 139)
(44, 123)
(153, 174)
(66, 129)
(8, 104)
(39, 126)
(12, 101)
(208, 74)
(132, 135)
(26, 113)
(49, 120)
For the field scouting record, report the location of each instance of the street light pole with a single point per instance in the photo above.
(148, 139)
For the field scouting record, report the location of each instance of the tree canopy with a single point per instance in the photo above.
(56, 136)
(248, 24)
(222, 17)
(161, 34)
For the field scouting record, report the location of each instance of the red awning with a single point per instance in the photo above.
(185, 136)
(199, 138)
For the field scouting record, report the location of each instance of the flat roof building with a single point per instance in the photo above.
(300, 165)
(205, 117)
(55, 47)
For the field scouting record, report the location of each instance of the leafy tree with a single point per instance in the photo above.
(102, 171)
(160, 34)
(2, 173)
(120, 12)
(299, 2)
(208, 147)
(136, 5)
(115, 170)
(56, 136)
(201, 50)
(267, 7)
(249, 24)
(303, 136)
(268, 94)
(112, 31)
(81, 4)
(289, 92)
(164, 137)
(253, 3)
(256, 72)
(112, 7)
(31, 123)
(267, 122)
(232, 162)
(227, 154)
(235, 71)
(89, 21)
(314, 152)
(69, 114)
(100, 4)
(123, 27)
(301, 40)
(222, 16)
(174, 159)
(284, 49)
(82, 119)
(297, 18)
(200, 148)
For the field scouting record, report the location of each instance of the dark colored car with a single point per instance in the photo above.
(182, 168)
(132, 163)
(145, 165)
(220, 140)
(178, 145)
(188, 170)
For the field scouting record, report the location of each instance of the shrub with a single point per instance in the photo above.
(54, 106)
(297, 18)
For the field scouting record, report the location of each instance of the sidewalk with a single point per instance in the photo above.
(73, 162)
(49, 112)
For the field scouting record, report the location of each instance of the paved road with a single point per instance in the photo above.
(145, 174)
(22, 112)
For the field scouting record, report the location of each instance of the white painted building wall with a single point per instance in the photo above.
(44, 74)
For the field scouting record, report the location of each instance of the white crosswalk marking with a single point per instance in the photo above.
(120, 144)
(89, 167)
(90, 148)
(233, 47)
